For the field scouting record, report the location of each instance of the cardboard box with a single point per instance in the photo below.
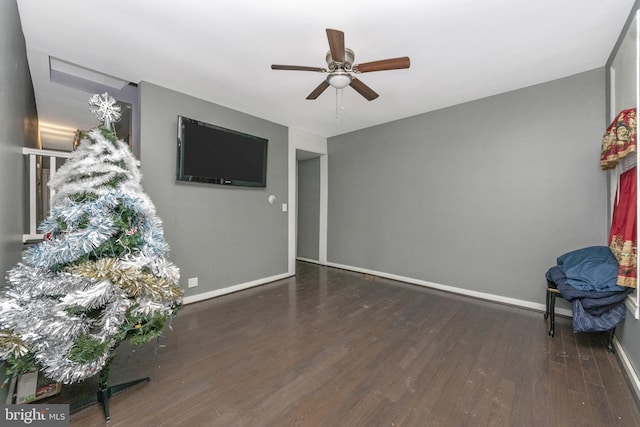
(32, 386)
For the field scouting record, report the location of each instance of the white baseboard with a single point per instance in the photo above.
(313, 261)
(628, 367)
(481, 295)
(230, 289)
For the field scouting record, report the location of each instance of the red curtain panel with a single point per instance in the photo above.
(623, 236)
(619, 139)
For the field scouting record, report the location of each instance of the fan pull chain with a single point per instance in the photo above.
(339, 106)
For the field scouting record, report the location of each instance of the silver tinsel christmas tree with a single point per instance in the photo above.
(101, 275)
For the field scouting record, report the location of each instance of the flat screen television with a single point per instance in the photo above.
(215, 155)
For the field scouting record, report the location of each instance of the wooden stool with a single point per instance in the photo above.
(550, 310)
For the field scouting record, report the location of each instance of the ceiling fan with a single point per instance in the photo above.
(340, 68)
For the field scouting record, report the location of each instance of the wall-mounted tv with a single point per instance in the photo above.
(215, 155)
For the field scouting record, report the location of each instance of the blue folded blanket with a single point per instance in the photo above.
(584, 321)
(594, 302)
(594, 268)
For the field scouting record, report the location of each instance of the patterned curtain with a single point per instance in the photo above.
(623, 236)
(619, 139)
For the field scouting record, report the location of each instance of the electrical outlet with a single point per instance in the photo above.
(193, 282)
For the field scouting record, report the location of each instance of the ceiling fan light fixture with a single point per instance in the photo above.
(341, 71)
(339, 79)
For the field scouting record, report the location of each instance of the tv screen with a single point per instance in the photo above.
(215, 155)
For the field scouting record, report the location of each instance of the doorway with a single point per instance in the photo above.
(305, 147)
(308, 206)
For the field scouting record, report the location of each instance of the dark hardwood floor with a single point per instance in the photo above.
(336, 348)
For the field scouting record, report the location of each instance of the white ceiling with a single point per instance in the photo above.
(221, 51)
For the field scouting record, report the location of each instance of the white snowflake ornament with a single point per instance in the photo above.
(104, 107)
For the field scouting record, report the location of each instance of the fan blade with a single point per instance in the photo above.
(336, 44)
(297, 68)
(363, 89)
(317, 91)
(383, 65)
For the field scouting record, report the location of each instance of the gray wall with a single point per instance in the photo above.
(223, 235)
(481, 196)
(18, 126)
(308, 227)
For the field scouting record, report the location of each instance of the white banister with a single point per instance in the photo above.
(34, 195)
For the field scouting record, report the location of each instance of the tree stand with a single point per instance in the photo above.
(105, 392)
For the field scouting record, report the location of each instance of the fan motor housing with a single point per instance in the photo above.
(346, 65)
